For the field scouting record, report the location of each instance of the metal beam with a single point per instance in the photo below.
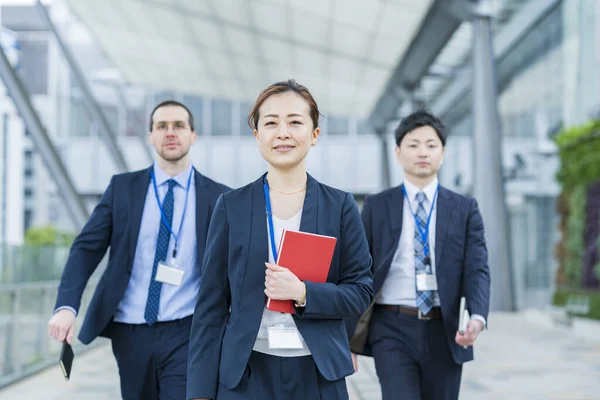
(441, 71)
(487, 146)
(16, 89)
(110, 138)
(455, 102)
(441, 21)
(4, 186)
(386, 175)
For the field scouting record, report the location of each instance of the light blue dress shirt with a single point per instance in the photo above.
(175, 301)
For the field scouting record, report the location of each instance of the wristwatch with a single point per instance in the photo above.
(302, 303)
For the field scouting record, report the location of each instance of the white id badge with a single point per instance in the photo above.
(426, 282)
(169, 274)
(284, 338)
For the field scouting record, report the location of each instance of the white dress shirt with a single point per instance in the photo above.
(399, 287)
(176, 302)
(275, 318)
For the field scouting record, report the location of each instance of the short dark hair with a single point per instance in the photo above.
(416, 120)
(173, 103)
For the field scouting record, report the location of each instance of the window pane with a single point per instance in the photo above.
(112, 116)
(136, 122)
(195, 105)
(159, 97)
(337, 126)
(33, 58)
(244, 110)
(364, 128)
(221, 118)
(80, 121)
(27, 219)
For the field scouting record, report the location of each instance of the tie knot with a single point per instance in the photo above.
(171, 183)
(420, 197)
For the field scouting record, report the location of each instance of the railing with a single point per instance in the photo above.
(28, 263)
(25, 346)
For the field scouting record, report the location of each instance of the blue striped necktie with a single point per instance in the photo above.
(162, 245)
(424, 298)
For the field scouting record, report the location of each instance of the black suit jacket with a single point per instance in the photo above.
(231, 300)
(461, 259)
(115, 223)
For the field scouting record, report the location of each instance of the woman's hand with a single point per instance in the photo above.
(282, 284)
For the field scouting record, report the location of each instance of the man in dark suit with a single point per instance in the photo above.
(428, 250)
(155, 222)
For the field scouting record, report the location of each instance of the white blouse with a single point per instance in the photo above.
(275, 318)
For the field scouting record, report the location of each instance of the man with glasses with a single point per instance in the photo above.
(155, 222)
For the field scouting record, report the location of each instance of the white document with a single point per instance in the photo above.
(170, 275)
(463, 316)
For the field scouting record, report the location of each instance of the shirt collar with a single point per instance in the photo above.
(429, 190)
(181, 178)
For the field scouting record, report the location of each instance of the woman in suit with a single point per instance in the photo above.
(238, 348)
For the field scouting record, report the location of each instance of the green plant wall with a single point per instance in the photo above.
(579, 152)
(574, 235)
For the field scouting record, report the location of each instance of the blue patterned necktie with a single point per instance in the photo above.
(424, 298)
(162, 245)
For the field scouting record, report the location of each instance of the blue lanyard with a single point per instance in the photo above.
(424, 233)
(162, 213)
(270, 218)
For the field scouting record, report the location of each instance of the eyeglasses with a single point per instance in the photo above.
(179, 127)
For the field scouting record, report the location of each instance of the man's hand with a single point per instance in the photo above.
(61, 325)
(354, 361)
(282, 284)
(468, 338)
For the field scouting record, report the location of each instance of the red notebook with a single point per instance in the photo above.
(308, 256)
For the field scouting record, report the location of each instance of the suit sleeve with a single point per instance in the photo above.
(367, 221)
(366, 217)
(477, 273)
(353, 294)
(212, 310)
(86, 252)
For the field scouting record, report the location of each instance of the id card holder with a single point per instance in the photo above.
(426, 282)
(169, 273)
(283, 338)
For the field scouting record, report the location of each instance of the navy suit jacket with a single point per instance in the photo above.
(231, 299)
(115, 223)
(461, 261)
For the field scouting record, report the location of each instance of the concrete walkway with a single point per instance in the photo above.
(521, 356)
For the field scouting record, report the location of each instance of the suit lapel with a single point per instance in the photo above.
(256, 228)
(202, 214)
(308, 222)
(395, 207)
(394, 204)
(139, 189)
(444, 219)
(258, 239)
